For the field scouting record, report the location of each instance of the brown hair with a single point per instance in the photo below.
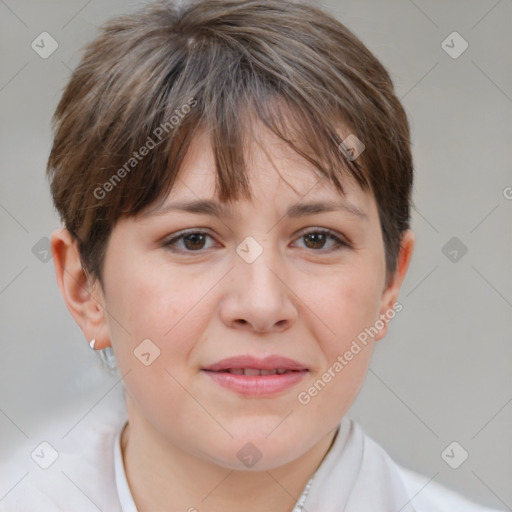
(154, 77)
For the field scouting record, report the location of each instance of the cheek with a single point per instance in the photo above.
(169, 308)
(346, 303)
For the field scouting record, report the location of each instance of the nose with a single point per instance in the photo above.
(259, 298)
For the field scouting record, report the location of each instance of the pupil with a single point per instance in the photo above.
(196, 239)
(318, 239)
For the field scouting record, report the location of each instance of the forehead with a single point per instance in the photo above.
(277, 175)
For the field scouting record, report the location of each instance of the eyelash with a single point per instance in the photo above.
(339, 243)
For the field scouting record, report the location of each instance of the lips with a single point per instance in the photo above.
(249, 365)
(256, 371)
(247, 375)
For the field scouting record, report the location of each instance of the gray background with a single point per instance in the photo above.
(443, 373)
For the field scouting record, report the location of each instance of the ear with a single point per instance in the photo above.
(392, 289)
(84, 299)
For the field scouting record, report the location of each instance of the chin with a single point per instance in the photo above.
(254, 459)
(256, 450)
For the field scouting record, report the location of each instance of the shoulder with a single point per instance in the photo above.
(431, 496)
(68, 464)
(425, 494)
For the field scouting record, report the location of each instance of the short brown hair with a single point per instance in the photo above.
(213, 64)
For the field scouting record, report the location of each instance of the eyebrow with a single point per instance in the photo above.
(215, 209)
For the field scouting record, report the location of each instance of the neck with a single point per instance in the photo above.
(160, 473)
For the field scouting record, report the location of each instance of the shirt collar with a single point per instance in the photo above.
(123, 490)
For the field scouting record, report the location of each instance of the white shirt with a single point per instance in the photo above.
(85, 471)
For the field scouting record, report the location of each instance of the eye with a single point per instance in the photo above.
(191, 241)
(317, 239)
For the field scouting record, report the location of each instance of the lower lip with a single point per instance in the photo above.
(256, 384)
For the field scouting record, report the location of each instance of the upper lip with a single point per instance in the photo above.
(272, 362)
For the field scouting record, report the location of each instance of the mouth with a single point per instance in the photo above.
(247, 363)
(247, 375)
(254, 371)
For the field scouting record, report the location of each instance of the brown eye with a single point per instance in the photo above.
(193, 241)
(317, 241)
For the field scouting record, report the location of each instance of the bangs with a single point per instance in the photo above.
(229, 104)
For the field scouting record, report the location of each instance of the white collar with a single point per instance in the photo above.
(123, 490)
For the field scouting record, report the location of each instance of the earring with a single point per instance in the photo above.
(106, 355)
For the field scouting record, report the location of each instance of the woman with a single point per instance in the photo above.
(234, 179)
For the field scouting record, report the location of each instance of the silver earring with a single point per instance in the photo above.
(106, 355)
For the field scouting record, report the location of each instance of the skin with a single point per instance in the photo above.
(297, 299)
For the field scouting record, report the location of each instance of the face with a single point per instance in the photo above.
(252, 281)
